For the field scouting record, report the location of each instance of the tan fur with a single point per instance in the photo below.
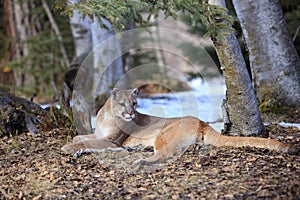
(118, 123)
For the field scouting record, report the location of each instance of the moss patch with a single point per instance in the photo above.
(276, 112)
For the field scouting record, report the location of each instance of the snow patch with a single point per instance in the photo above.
(286, 124)
(203, 101)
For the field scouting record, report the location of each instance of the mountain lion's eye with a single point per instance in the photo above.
(122, 104)
(134, 103)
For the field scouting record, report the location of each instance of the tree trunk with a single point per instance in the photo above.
(81, 31)
(6, 75)
(106, 65)
(27, 26)
(158, 49)
(241, 104)
(21, 25)
(88, 35)
(274, 61)
(100, 69)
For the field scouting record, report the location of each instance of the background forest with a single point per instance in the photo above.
(37, 46)
(32, 60)
(254, 45)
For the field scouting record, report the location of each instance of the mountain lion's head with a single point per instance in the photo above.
(124, 103)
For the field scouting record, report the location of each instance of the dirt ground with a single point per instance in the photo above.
(35, 168)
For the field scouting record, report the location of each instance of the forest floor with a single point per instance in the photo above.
(35, 168)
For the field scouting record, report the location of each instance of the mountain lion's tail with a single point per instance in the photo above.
(212, 137)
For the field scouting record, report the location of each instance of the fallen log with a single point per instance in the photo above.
(19, 115)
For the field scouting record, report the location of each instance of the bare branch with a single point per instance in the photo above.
(296, 34)
(57, 32)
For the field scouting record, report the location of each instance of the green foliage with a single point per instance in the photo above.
(199, 29)
(199, 56)
(43, 66)
(141, 56)
(118, 12)
(213, 20)
(291, 10)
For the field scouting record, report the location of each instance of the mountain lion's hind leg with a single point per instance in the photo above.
(173, 139)
(161, 154)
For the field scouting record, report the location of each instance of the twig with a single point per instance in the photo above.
(296, 33)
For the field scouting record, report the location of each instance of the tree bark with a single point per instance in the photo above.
(158, 49)
(106, 65)
(273, 58)
(7, 76)
(241, 104)
(100, 68)
(20, 12)
(21, 27)
(90, 37)
(81, 31)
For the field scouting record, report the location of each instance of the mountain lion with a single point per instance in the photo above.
(119, 124)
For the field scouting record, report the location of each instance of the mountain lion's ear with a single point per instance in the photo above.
(115, 91)
(134, 92)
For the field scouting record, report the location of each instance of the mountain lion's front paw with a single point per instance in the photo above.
(78, 139)
(68, 149)
(138, 165)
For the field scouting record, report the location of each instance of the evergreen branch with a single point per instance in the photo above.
(118, 12)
